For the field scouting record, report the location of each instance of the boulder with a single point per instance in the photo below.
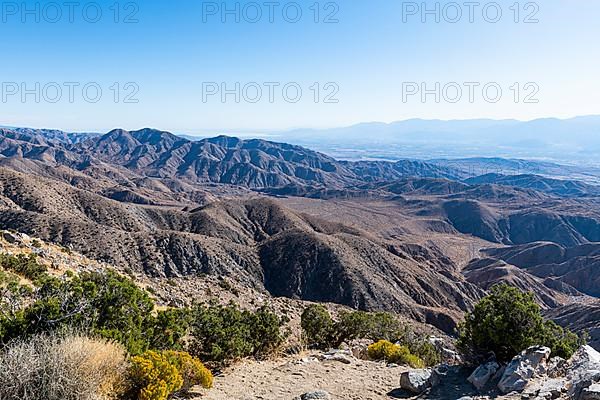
(359, 348)
(522, 368)
(481, 376)
(440, 374)
(343, 356)
(416, 381)
(591, 393)
(584, 371)
(316, 395)
(10, 238)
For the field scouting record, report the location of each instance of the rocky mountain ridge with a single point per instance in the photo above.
(287, 221)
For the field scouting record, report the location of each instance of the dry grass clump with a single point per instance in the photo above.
(71, 367)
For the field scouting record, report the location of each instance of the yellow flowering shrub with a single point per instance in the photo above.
(191, 369)
(154, 376)
(394, 353)
(158, 375)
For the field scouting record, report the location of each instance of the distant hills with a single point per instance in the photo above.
(422, 238)
(573, 140)
(559, 187)
(251, 163)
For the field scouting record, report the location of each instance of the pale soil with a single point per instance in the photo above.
(288, 378)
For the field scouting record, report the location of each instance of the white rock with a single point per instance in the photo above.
(481, 376)
(416, 381)
(584, 370)
(547, 389)
(523, 367)
(591, 393)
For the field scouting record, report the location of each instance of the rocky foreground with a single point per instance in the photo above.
(341, 375)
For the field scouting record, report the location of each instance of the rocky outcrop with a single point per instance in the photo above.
(523, 368)
(591, 393)
(482, 375)
(584, 371)
(533, 374)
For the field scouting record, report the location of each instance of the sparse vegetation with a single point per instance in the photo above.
(507, 322)
(21, 264)
(321, 331)
(39, 354)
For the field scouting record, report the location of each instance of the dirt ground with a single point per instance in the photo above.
(289, 378)
(294, 376)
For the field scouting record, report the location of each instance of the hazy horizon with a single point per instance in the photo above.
(202, 132)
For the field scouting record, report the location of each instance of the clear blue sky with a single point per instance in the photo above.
(369, 54)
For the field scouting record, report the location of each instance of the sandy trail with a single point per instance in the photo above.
(291, 377)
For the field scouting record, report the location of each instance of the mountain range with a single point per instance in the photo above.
(421, 238)
(574, 141)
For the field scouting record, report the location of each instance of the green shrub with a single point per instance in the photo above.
(394, 353)
(21, 264)
(169, 328)
(104, 304)
(321, 331)
(221, 334)
(563, 342)
(425, 351)
(318, 328)
(507, 322)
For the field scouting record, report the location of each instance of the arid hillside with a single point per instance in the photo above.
(407, 236)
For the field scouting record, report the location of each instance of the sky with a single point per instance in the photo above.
(190, 66)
